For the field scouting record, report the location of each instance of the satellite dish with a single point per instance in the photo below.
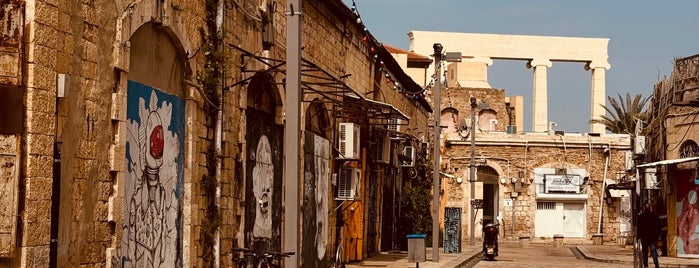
(463, 124)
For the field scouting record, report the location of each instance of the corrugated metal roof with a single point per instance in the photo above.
(669, 162)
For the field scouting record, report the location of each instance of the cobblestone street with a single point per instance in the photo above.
(539, 255)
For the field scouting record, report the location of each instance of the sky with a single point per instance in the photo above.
(645, 38)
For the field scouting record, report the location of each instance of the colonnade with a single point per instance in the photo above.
(539, 52)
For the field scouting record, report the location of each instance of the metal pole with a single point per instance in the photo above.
(292, 131)
(435, 147)
(472, 166)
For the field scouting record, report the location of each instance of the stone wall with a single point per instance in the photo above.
(89, 43)
(511, 155)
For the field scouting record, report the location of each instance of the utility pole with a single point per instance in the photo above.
(292, 131)
(472, 166)
(435, 147)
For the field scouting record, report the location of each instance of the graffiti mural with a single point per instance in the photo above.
(154, 178)
(315, 200)
(263, 182)
(452, 230)
(687, 216)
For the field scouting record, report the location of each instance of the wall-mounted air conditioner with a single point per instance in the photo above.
(382, 151)
(348, 140)
(348, 184)
(393, 124)
(408, 159)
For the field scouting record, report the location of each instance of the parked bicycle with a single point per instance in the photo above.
(248, 258)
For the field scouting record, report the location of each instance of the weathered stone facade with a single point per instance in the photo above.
(119, 142)
(512, 168)
(670, 155)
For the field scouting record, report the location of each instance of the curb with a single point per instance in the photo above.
(459, 262)
(589, 256)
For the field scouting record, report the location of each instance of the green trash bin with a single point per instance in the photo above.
(416, 247)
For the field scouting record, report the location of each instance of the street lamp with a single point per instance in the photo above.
(472, 166)
(437, 112)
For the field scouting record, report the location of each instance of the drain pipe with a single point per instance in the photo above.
(607, 153)
(218, 138)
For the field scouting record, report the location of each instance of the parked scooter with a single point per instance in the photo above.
(490, 240)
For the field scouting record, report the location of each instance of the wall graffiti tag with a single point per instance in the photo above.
(154, 178)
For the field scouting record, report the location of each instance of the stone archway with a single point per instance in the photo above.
(154, 180)
(150, 57)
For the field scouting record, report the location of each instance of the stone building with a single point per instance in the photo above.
(151, 133)
(539, 184)
(669, 167)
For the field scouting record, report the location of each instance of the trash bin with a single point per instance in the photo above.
(416, 247)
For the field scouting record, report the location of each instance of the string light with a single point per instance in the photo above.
(390, 78)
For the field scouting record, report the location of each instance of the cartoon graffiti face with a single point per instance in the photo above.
(263, 177)
(322, 147)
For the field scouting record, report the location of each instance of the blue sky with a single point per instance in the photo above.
(645, 37)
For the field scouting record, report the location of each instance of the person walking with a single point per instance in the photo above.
(649, 233)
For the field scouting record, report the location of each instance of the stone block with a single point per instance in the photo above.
(39, 166)
(43, 35)
(37, 256)
(40, 123)
(118, 107)
(39, 188)
(117, 161)
(40, 144)
(41, 77)
(597, 239)
(558, 240)
(41, 100)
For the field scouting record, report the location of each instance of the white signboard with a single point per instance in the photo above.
(565, 183)
(508, 202)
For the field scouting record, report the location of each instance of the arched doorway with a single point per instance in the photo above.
(316, 195)
(264, 166)
(153, 185)
(491, 196)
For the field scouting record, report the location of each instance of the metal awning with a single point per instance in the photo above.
(372, 109)
(669, 162)
(319, 85)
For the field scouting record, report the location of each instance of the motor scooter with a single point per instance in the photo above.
(490, 240)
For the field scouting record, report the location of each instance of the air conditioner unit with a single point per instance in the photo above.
(348, 184)
(639, 145)
(348, 135)
(408, 159)
(382, 151)
(393, 124)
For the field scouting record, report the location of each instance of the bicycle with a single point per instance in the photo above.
(248, 259)
(256, 259)
(273, 259)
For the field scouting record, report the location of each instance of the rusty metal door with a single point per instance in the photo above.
(452, 230)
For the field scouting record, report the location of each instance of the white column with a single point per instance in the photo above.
(540, 97)
(597, 100)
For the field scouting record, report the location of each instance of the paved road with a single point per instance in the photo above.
(539, 255)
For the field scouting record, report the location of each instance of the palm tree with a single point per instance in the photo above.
(623, 114)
